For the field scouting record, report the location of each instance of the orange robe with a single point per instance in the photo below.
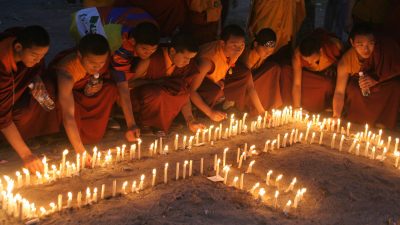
(317, 81)
(284, 17)
(91, 112)
(382, 106)
(158, 103)
(16, 102)
(225, 78)
(266, 78)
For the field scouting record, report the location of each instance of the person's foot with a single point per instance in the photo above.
(113, 124)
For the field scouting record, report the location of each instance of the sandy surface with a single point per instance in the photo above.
(341, 188)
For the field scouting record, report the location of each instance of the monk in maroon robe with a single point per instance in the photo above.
(85, 101)
(21, 65)
(161, 85)
(373, 96)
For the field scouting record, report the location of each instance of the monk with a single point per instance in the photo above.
(284, 17)
(309, 82)
(162, 85)
(142, 42)
(222, 77)
(378, 58)
(266, 74)
(85, 108)
(21, 116)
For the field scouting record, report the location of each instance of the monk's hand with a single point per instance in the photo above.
(38, 88)
(94, 89)
(132, 134)
(366, 82)
(217, 116)
(33, 163)
(194, 126)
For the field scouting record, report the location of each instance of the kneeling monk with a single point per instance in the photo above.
(373, 96)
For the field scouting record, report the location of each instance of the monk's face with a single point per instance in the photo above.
(233, 47)
(93, 63)
(181, 59)
(263, 51)
(30, 56)
(364, 45)
(312, 59)
(144, 51)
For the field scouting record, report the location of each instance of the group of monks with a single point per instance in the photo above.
(153, 83)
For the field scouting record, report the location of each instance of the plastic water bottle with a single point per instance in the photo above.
(365, 91)
(44, 99)
(94, 80)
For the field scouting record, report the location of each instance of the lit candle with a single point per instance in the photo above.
(373, 152)
(238, 155)
(366, 151)
(94, 157)
(308, 130)
(250, 168)
(141, 182)
(261, 194)
(291, 137)
(278, 141)
(216, 133)
(217, 171)
(155, 147)
(291, 186)
(139, 152)
(27, 177)
(226, 170)
(190, 142)
(201, 166)
(321, 136)
(79, 199)
(203, 135)
(273, 145)
(184, 142)
(235, 181)
(301, 137)
(296, 135)
(396, 146)
(276, 199)
(353, 145)
(161, 146)
(151, 149)
(166, 173)
(132, 151)
(184, 169)
(177, 171)
(397, 155)
(241, 160)
(176, 142)
(287, 207)
(388, 143)
(366, 130)
(69, 202)
(114, 190)
(253, 189)
(95, 195)
(133, 187)
(45, 165)
(358, 149)
(278, 178)
(78, 162)
(190, 168)
(341, 143)
(103, 187)
(241, 181)
(153, 182)
(383, 156)
(333, 141)
(224, 157)
(19, 179)
(64, 155)
(268, 177)
(220, 131)
(285, 139)
(312, 138)
(348, 129)
(87, 199)
(52, 207)
(197, 136)
(118, 158)
(166, 150)
(266, 145)
(59, 202)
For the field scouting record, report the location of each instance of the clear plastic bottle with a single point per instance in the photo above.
(44, 99)
(94, 80)
(365, 92)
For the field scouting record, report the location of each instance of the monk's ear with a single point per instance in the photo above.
(18, 47)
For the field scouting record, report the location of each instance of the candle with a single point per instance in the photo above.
(94, 157)
(287, 207)
(312, 138)
(295, 135)
(261, 194)
(296, 199)
(78, 162)
(139, 152)
(250, 168)
(114, 190)
(230, 125)
(197, 136)
(348, 129)
(87, 199)
(273, 144)
(397, 155)
(141, 182)
(59, 202)
(79, 199)
(276, 199)
(153, 182)
(161, 146)
(268, 177)
(184, 142)
(245, 150)
(155, 146)
(291, 137)
(190, 168)
(45, 165)
(396, 146)
(27, 176)
(226, 133)
(132, 151)
(52, 207)
(353, 145)
(190, 142)
(19, 179)
(379, 136)
(301, 137)
(166, 150)
(241, 160)
(224, 157)
(266, 145)
(133, 187)
(220, 131)
(255, 186)
(278, 141)
(388, 143)
(308, 130)
(383, 156)
(203, 136)
(177, 171)
(373, 152)
(95, 195)
(241, 181)
(64, 155)
(118, 158)
(216, 133)
(238, 155)
(184, 169)
(215, 162)
(358, 149)
(201, 166)
(341, 143)
(166, 173)
(176, 142)
(285, 139)
(151, 149)
(98, 160)
(333, 141)
(103, 187)
(235, 181)
(69, 200)
(291, 186)
(278, 178)
(321, 136)
(217, 170)
(366, 130)
(226, 170)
